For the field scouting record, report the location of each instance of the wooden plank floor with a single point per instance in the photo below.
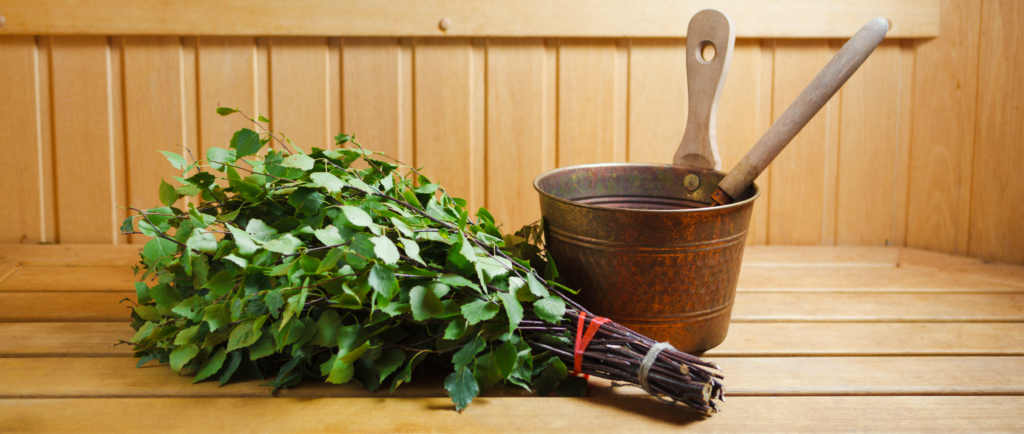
(823, 339)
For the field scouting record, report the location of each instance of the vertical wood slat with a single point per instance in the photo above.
(942, 148)
(444, 98)
(371, 104)
(154, 116)
(587, 98)
(997, 190)
(45, 128)
(868, 149)
(21, 142)
(118, 133)
(300, 98)
(658, 99)
(798, 174)
(517, 136)
(83, 142)
(905, 126)
(227, 77)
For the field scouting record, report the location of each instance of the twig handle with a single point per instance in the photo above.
(810, 101)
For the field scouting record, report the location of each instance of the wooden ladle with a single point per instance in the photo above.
(810, 101)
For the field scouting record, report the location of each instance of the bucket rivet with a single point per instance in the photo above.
(445, 24)
(691, 182)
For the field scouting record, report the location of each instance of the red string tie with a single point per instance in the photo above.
(583, 340)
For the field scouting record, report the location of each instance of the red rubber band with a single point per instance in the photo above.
(583, 340)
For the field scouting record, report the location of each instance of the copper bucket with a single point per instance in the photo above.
(628, 236)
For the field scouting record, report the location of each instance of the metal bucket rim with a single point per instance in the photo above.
(536, 186)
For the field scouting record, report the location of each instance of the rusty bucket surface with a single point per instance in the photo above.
(631, 238)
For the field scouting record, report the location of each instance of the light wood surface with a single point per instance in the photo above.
(911, 113)
(997, 188)
(822, 340)
(576, 18)
(709, 45)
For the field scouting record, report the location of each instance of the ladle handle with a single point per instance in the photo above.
(810, 101)
(704, 80)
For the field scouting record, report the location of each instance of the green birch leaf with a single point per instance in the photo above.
(165, 295)
(217, 157)
(142, 293)
(224, 111)
(341, 372)
(479, 310)
(385, 250)
(245, 142)
(327, 181)
(306, 200)
(177, 160)
(128, 225)
(234, 358)
(262, 118)
(536, 287)
(424, 303)
(159, 248)
(553, 373)
(412, 249)
(513, 309)
(149, 313)
(211, 365)
(456, 328)
(202, 241)
(327, 329)
(389, 361)
(298, 161)
(327, 264)
(246, 244)
(506, 356)
(286, 245)
(221, 283)
(182, 355)
(462, 388)
(550, 309)
(242, 336)
(167, 194)
(260, 230)
(466, 354)
(238, 260)
(217, 316)
(329, 236)
(355, 216)
(382, 280)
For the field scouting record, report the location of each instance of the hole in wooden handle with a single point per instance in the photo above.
(706, 53)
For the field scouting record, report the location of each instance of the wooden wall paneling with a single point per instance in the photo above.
(759, 221)
(550, 160)
(942, 149)
(868, 149)
(799, 173)
(478, 125)
(658, 99)
(334, 96)
(517, 140)
(21, 142)
(45, 87)
(226, 77)
(905, 128)
(154, 116)
(118, 136)
(300, 102)
(997, 191)
(372, 94)
(407, 138)
(832, 112)
(620, 146)
(263, 80)
(83, 140)
(444, 86)
(587, 98)
(740, 119)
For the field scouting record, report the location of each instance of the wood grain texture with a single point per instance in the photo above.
(877, 307)
(658, 99)
(905, 279)
(870, 340)
(905, 129)
(22, 212)
(976, 268)
(299, 97)
(7, 269)
(818, 256)
(517, 141)
(83, 139)
(154, 117)
(868, 149)
(445, 91)
(32, 278)
(94, 339)
(998, 185)
(661, 18)
(23, 307)
(226, 78)
(709, 31)
(798, 187)
(65, 339)
(598, 415)
(373, 95)
(586, 101)
(46, 147)
(942, 150)
(71, 254)
(69, 378)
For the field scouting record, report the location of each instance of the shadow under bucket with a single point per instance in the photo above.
(640, 244)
